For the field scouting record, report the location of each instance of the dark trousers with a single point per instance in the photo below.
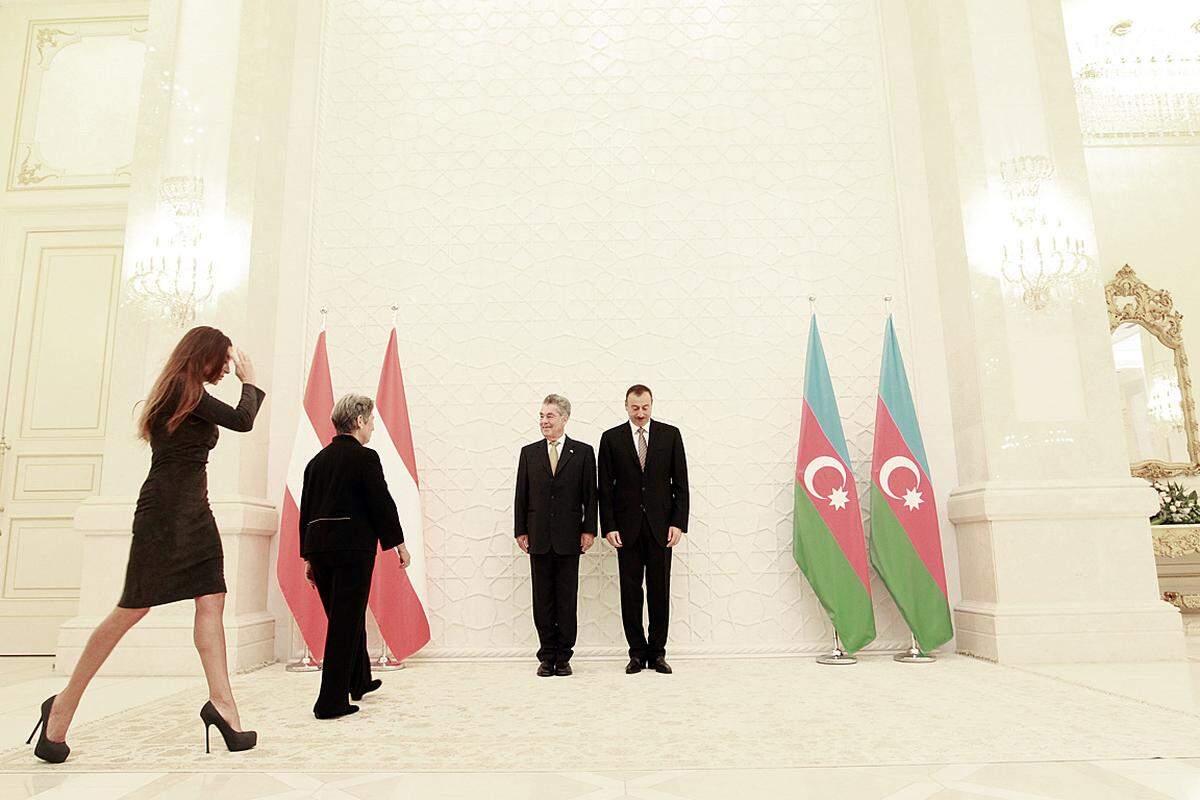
(555, 596)
(343, 579)
(644, 558)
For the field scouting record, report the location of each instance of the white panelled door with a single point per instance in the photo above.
(59, 311)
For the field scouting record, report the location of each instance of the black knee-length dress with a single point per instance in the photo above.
(176, 551)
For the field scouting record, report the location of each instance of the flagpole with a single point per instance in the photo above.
(324, 317)
(395, 309)
(913, 654)
(839, 656)
(812, 304)
(386, 661)
(306, 662)
(887, 305)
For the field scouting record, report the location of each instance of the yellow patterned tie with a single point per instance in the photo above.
(553, 457)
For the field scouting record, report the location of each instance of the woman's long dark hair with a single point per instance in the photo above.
(197, 359)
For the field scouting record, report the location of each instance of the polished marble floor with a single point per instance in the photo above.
(25, 681)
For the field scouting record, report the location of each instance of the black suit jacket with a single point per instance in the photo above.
(345, 503)
(661, 492)
(553, 510)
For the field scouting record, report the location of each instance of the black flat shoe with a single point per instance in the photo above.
(345, 712)
(563, 668)
(545, 669)
(46, 750)
(660, 665)
(370, 687)
(635, 665)
(235, 741)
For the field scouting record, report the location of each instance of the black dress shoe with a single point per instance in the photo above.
(660, 665)
(348, 710)
(370, 687)
(563, 668)
(545, 669)
(634, 665)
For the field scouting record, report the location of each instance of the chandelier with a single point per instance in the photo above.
(1165, 400)
(1139, 81)
(1023, 178)
(1041, 262)
(1038, 258)
(175, 279)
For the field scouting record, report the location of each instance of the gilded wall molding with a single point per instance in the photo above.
(1172, 542)
(47, 78)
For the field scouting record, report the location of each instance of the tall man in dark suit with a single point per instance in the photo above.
(643, 514)
(346, 516)
(555, 521)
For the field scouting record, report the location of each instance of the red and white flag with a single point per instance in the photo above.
(313, 431)
(398, 595)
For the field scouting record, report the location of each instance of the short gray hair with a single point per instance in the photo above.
(347, 411)
(564, 405)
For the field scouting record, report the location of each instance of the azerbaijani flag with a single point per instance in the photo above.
(827, 533)
(906, 548)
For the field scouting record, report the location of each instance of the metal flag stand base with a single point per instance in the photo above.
(386, 661)
(913, 655)
(838, 656)
(306, 663)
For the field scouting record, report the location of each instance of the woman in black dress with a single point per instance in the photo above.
(176, 551)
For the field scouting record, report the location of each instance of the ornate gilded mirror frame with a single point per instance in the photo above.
(1154, 310)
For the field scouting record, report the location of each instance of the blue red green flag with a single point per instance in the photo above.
(906, 546)
(827, 534)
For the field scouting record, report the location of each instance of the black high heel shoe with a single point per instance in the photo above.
(235, 741)
(46, 750)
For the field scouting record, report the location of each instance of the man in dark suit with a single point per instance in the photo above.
(555, 521)
(346, 516)
(643, 514)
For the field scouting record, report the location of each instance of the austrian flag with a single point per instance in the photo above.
(313, 431)
(398, 595)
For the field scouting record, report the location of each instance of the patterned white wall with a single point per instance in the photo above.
(576, 196)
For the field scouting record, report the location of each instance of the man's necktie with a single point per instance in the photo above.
(642, 447)
(553, 457)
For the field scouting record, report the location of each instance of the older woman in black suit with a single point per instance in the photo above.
(346, 516)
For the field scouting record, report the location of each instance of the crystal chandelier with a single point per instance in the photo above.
(1042, 261)
(1038, 258)
(1139, 81)
(176, 278)
(1165, 400)
(1023, 178)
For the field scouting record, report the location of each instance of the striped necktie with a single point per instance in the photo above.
(642, 448)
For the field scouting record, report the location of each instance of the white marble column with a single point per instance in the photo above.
(212, 109)
(1053, 540)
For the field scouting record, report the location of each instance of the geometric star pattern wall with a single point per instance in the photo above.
(573, 197)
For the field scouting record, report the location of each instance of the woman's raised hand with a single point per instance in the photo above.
(243, 367)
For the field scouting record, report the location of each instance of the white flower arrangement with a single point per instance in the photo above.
(1176, 505)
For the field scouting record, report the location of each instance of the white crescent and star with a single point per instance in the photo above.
(912, 498)
(839, 497)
